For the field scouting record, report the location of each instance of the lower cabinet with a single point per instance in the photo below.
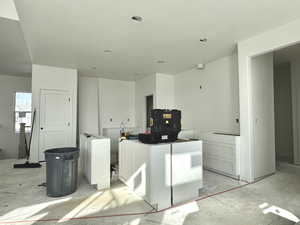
(144, 170)
(221, 154)
(162, 174)
(95, 160)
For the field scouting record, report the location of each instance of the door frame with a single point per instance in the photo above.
(278, 38)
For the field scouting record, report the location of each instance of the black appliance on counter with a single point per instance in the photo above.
(165, 126)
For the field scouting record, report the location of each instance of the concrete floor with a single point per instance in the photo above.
(23, 202)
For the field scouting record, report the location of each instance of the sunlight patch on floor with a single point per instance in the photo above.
(177, 215)
(279, 212)
(29, 211)
(117, 198)
(82, 206)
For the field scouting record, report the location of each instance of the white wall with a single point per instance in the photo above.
(165, 91)
(88, 105)
(48, 77)
(117, 103)
(283, 113)
(9, 85)
(263, 113)
(144, 87)
(216, 105)
(269, 41)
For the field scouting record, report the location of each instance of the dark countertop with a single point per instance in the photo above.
(228, 134)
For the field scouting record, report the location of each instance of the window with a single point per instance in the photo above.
(23, 111)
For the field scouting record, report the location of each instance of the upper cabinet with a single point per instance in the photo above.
(116, 103)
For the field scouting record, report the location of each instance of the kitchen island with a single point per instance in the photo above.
(163, 174)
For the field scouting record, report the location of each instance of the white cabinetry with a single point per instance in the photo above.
(144, 170)
(114, 135)
(187, 170)
(95, 160)
(221, 153)
(163, 174)
(116, 103)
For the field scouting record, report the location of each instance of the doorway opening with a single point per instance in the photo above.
(149, 107)
(276, 109)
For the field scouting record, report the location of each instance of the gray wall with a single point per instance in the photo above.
(9, 85)
(283, 113)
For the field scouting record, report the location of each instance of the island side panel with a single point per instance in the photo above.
(160, 176)
(134, 167)
(187, 170)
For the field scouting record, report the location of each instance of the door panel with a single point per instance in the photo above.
(55, 120)
(263, 115)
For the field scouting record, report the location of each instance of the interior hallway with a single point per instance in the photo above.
(24, 200)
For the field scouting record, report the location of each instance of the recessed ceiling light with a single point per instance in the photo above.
(107, 51)
(160, 61)
(137, 18)
(203, 39)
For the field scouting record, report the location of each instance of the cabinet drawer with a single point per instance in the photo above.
(219, 150)
(219, 164)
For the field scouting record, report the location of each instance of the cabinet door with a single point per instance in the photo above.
(88, 162)
(100, 161)
(119, 106)
(126, 160)
(121, 161)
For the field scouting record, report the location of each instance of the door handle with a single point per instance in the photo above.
(42, 128)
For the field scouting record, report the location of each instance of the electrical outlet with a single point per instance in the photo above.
(110, 120)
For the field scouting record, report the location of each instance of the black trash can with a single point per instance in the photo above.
(61, 171)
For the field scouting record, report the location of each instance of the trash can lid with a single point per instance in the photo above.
(62, 150)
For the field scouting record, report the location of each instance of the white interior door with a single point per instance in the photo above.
(297, 127)
(263, 115)
(55, 120)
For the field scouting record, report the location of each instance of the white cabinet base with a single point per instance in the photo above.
(221, 154)
(162, 174)
(95, 160)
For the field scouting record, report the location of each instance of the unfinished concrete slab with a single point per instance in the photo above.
(24, 202)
